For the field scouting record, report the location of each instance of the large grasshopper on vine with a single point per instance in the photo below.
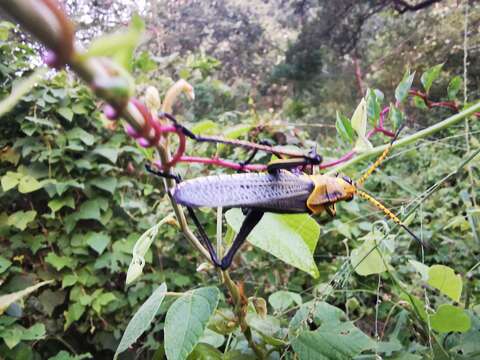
(282, 189)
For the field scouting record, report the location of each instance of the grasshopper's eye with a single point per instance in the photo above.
(347, 179)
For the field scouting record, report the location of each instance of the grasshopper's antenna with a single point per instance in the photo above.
(388, 213)
(377, 163)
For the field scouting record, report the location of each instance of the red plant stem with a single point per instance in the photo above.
(344, 158)
(452, 105)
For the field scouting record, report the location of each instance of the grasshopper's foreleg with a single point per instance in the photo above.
(288, 164)
(251, 220)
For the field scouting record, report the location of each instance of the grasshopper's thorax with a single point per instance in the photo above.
(328, 190)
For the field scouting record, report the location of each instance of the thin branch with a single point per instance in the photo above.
(412, 138)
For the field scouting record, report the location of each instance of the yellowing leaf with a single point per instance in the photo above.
(28, 184)
(443, 278)
(359, 119)
(10, 180)
(21, 219)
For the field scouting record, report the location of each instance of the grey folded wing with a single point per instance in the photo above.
(283, 192)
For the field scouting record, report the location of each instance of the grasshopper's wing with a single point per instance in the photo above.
(282, 192)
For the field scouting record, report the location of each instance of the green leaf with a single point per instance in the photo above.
(419, 103)
(6, 300)
(21, 219)
(58, 203)
(450, 318)
(13, 335)
(396, 116)
(10, 180)
(90, 209)
(205, 352)
(373, 106)
(79, 134)
(429, 76)
(50, 299)
(282, 300)
(28, 184)
(268, 327)
(421, 268)
(453, 87)
(103, 300)
(67, 113)
(291, 238)
(4, 264)
(74, 312)
(341, 341)
(204, 127)
(60, 262)
(403, 88)
(69, 280)
(212, 338)
(140, 250)
(186, 321)
(344, 128)
(107, 152)
(105, 183)
(443, 278)
(20, 89)
(320, 311)
(142, 319)
(98, 241)
(120, 46)
(418, 306)
(237, 131)
(368, 258)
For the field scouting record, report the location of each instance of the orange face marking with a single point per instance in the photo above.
(328, 190)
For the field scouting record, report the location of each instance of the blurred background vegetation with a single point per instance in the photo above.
(75, 198)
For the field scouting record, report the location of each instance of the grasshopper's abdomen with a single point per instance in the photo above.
(283, 192)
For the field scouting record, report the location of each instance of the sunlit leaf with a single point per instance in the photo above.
(450, 318)
(444, 279)
(21, 219)
(28, 184)
(10, 180)
(291, 238)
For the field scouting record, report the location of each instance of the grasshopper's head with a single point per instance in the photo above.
(328, 190)
(348, 186)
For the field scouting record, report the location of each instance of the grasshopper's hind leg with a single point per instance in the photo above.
(251, 220)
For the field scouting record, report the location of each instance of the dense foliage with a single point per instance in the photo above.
(74, 200)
